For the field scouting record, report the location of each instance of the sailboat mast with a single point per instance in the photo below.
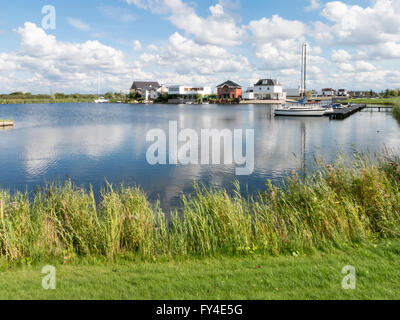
(305, 70)
(302, 72)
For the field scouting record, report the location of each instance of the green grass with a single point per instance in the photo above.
(381, 101)
(255, 277)
(32, 101)
(344, 203)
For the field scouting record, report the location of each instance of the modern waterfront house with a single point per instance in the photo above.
(267, 89)
(183, 94)
(342, 93)
(229, 90)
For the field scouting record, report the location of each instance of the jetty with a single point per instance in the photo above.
(6, 123)
(340, 114)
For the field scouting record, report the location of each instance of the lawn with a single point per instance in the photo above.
(317, 276)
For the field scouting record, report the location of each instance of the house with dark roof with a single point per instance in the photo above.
(268, 89)
(149, 90)
(229, 90)
(140, 86)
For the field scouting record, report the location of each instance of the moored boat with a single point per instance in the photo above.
(301, 111)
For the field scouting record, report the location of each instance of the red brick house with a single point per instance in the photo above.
(229, 90)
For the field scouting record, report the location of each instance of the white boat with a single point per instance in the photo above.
(302, 111)
(101, 100)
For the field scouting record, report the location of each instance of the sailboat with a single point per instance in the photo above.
(99, 99)
(302, 108)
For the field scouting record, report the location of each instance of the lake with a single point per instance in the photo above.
(90, 143)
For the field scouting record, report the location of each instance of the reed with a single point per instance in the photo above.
(396, 112)
(346, 203)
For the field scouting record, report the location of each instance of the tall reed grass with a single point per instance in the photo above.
(340, 204)
(396, 112)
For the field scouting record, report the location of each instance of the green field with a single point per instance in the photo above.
(381, 101)
(317, 276)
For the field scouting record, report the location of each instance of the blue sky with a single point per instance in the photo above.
(352, 44)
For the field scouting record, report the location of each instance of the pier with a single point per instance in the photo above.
(341, 114)
(6, 123)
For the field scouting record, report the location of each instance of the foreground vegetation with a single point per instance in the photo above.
(339, 205)
(396, 112)
(253, 277)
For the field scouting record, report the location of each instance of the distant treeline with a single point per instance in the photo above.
(56, 96)
(21, 97)
(390, 93)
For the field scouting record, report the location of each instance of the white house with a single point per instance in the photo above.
(328, 92)
(342, 93)
(268, 89)
(189, 90)
(248, 94)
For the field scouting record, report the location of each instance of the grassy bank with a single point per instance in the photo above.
(257, 277)
(381, 101)
(33, 101)
(339, 205)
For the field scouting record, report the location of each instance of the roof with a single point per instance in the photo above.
(268, 82)
(146, 85)
(328, 89)
(230, 84)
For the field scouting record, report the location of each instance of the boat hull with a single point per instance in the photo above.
(301, 113)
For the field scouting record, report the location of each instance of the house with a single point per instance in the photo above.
(188, 90)
(182, 94)
(141, 87)
(268, 89)
(229, 90)
(342, 93)
(248, 94)
(328, 92)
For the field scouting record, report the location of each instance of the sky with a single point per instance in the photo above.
(76, 46)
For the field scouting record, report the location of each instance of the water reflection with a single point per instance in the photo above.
(91, 143)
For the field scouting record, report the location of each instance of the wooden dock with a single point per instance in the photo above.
(6, 123)
(340, 114)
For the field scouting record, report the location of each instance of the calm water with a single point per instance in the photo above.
(90, 143)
